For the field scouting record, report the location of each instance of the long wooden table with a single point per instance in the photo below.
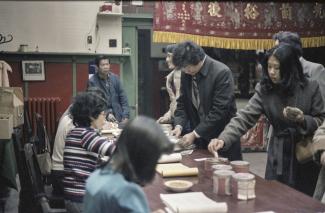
(270, 195)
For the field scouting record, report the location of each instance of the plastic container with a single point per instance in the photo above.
(240, 166)
(243, 186)
(222, 182)
(209, 162)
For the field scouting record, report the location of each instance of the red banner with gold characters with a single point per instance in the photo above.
(238, 25)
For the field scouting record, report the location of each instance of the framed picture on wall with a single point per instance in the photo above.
(33, 71)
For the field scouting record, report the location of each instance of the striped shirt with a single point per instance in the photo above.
(82, 149)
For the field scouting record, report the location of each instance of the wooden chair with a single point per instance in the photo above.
(27, 126)
(25, 193)
(44, 200)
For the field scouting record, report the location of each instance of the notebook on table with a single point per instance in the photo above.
(192, 202)
(176, 170)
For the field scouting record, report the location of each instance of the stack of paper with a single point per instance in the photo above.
(192, 202)
(172, 158)
(176, 170)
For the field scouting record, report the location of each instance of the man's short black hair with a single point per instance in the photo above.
(187, 53)
(99, 58)
(290, 38)
(170, 48)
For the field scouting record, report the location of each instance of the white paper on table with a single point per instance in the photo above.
(168, 210)
(200, 159)
(192, 202)
(187, 152)
(176, 170)
(172, 158)
(266, 212)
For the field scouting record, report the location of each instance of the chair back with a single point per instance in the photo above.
(36, 179)
(41, 139)
(34, 172)
(27, 127)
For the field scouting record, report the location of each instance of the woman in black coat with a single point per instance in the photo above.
(293, 106)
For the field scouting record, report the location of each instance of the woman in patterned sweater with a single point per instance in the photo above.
(83, 146)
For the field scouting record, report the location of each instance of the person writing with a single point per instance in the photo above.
(83, 147)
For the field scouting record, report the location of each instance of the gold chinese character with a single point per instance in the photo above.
(214, 9)
(251, 11)
(286, 11)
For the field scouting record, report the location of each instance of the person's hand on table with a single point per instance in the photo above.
(124, 120)
(109, 125)
(215, 144)
(163, 120)
(111, 118)
(187, 139)
(322, 158)
(176, 132)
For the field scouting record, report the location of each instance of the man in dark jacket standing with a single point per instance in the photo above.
(206, 99)
(109, 83)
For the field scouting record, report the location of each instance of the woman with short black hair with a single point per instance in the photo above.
(294, 107)
(115, 186)
(83, 147)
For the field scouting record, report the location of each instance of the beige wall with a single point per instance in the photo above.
(59, 26)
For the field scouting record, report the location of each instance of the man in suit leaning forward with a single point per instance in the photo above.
(206, 99)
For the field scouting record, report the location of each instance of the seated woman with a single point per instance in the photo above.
(83, 147)
(294, 107)
(115, 186)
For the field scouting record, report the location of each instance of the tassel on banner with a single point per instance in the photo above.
(229, 43)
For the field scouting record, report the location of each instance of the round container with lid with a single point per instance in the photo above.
(221, 167)
(209, 162)
(222, 182)
(240, 166)
(243, 186)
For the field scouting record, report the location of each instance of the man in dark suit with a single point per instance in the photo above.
(206, 99)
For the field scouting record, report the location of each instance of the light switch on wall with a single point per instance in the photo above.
(112, 43)
(89, 39)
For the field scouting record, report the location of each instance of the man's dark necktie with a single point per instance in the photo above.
(195, 93)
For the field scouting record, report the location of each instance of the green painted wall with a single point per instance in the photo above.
(129, 73)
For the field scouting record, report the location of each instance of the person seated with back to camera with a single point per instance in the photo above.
(64, 127)
(83, 147)
(116, 186)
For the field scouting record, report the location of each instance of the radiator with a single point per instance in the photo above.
(48, 109)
